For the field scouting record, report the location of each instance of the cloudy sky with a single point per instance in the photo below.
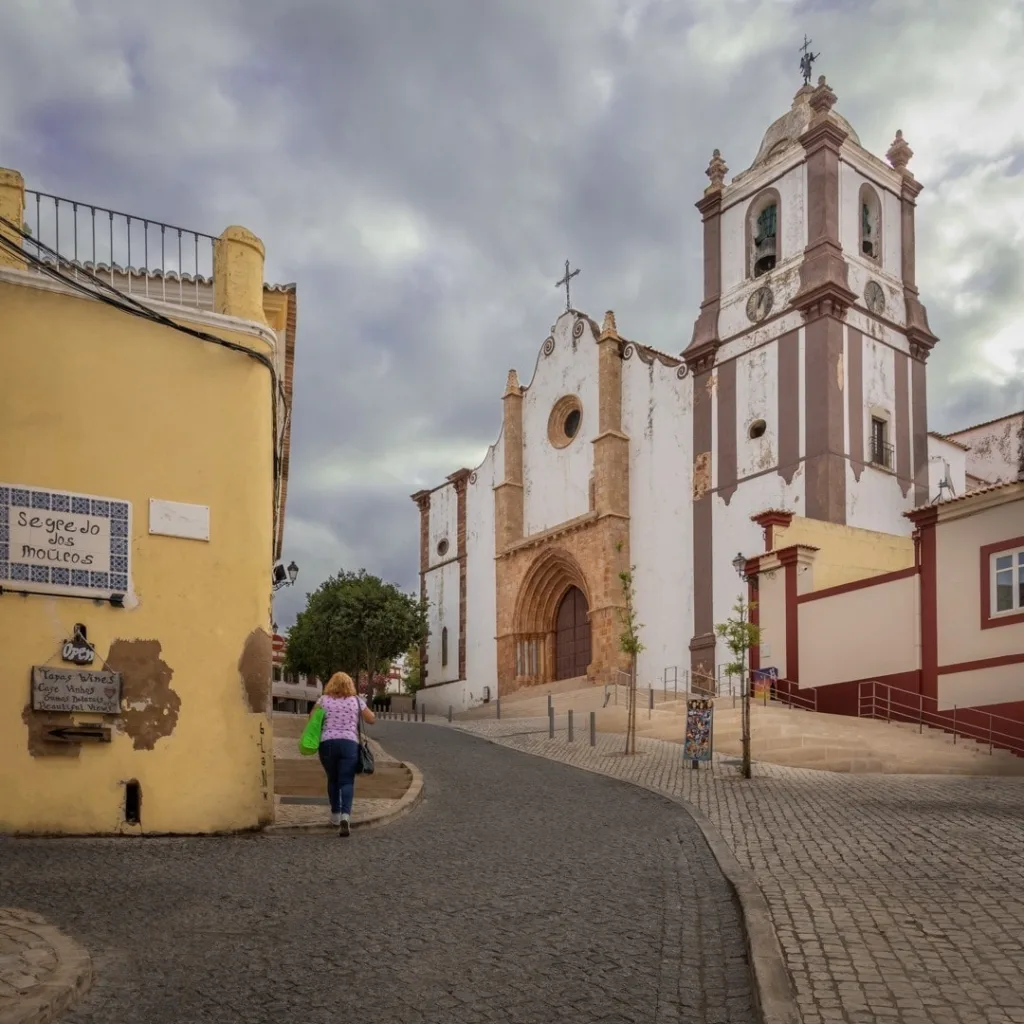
(422, 168)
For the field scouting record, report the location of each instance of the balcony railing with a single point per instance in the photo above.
(881, 453)
(145, 258)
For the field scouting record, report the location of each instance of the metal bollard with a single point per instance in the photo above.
(593, 728)
(570, 725)
(423, 712)
(551, 723)
(449, 712)
(551, 706)
(497, 707)
(650, 701)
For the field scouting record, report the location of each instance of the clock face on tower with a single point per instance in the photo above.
(874, 298)
(759, 305)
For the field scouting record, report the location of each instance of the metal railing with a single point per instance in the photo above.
(784, 691)
(142, 257)
(881, 453)
(891, 704)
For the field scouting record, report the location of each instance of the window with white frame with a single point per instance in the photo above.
(1007, 581)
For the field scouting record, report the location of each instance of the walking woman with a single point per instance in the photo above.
(339, 744)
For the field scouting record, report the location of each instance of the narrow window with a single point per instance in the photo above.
(881, 449)
(444, 646)
(870, 223)
(765, 247)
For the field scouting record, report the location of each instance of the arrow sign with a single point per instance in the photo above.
(78, 733)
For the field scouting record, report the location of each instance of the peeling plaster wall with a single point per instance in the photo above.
(444, 523)
(876, 502)
(995, 453)
(443, 595)
(656, 410)
(757, 398)
(759, 485)
(557, 480)
(481, 596)
(183, 641)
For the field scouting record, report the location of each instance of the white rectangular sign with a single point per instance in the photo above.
(57, 542)
(178, 519)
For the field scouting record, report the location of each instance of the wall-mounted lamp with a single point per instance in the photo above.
(283, 577)
(739, 563)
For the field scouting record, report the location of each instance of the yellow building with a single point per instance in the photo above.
(143, 468)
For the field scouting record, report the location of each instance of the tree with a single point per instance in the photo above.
(740, 634)
(629, 643)
(354, 623)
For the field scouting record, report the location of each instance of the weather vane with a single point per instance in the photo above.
(807, 60)
(565, 283)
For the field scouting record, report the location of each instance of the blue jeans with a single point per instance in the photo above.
(339, 758)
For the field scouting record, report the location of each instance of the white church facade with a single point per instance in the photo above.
(802, 388)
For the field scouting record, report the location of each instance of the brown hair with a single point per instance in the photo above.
(340, 685)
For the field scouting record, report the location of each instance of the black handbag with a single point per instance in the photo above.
(364, 759)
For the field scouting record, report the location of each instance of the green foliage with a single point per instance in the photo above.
(413, 676)
(739, 634)
(629, 638)
(354, 623)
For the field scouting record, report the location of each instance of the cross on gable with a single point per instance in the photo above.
(565, 283)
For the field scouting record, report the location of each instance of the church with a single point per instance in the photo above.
(802, 388)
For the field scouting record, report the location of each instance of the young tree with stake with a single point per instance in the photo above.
(740, 634)
(629, 643)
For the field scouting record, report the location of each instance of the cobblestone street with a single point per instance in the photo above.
(895, 898)
(519, 890)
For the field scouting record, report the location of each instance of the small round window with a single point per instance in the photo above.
(442, 548)
(572, 423)
(757, 429)
(565, 421)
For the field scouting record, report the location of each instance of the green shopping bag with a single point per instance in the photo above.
(309, 741)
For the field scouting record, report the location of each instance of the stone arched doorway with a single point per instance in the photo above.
(554, 591)
(572, 635)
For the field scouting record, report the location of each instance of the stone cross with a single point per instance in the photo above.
(565, 282)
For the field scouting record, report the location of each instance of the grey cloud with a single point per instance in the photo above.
(515, 134)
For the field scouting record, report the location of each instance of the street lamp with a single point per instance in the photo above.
(283, 577)
(739, 563)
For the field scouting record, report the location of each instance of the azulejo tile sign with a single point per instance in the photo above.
(56, 542)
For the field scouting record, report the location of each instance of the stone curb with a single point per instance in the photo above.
(70, 981)
(409, 799)
(772, 985)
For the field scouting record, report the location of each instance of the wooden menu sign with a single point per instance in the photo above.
(68, 689)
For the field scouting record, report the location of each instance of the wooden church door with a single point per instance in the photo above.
(572, 636)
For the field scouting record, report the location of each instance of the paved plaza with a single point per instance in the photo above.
(519, 890)
(895, 898)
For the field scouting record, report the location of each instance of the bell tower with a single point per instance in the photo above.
(808, 355)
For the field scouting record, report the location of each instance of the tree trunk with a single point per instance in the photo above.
(631, 708)
(745, 721)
